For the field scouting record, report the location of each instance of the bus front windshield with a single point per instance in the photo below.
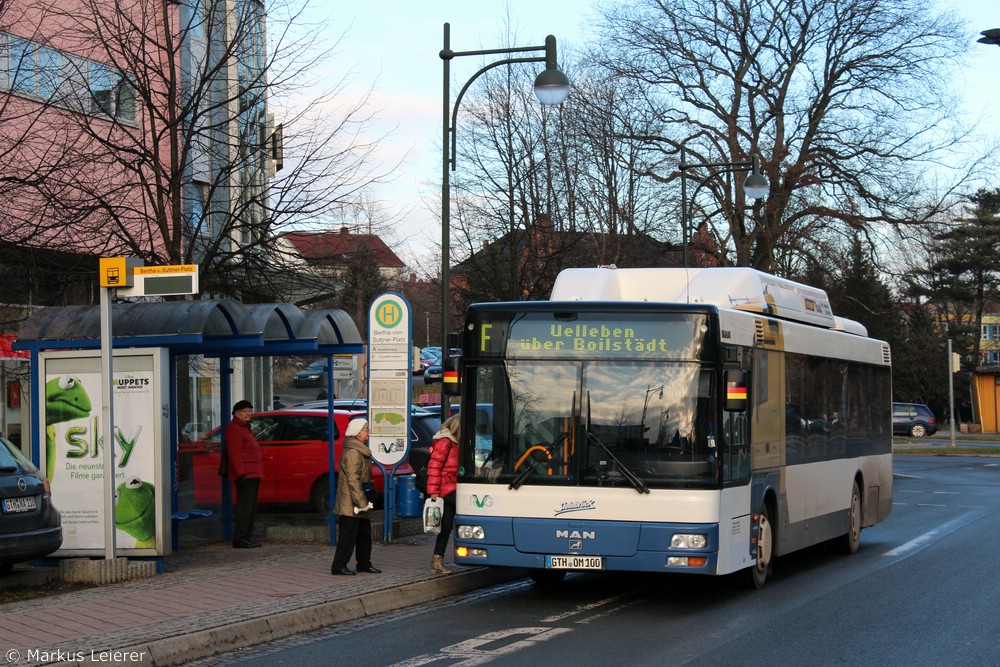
(603, 420)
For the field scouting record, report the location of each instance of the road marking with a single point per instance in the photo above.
(928, 538)
(579, 609)
(472, 653)
(610, 610)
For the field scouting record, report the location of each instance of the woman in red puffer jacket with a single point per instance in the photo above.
(442, 480)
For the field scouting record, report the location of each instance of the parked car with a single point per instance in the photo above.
(913, 419)
(434, 373)
(428, 356)
(313, 375)
(295, 451)
(30, 526)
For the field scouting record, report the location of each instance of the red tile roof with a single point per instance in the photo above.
(326, 247)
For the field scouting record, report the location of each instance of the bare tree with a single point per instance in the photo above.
(843, 100)
(543, 189)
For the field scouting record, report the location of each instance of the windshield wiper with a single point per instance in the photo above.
(633, 479)
(540, 455)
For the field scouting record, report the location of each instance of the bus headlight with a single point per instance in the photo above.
(471, 532)
(688, 541)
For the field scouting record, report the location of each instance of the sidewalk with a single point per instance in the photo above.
(212, 599)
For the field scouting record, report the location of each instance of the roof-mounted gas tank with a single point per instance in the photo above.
(737, 287)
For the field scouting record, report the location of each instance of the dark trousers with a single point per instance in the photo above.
(246, 508)
(353, 534)
(447, 522)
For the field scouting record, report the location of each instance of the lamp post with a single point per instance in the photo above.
(551, 87)
(991, 36)
(645, 403)
(755, 186)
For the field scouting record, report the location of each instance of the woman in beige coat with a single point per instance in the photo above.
(354, 529)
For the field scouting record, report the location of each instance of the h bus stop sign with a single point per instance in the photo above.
(389, 357)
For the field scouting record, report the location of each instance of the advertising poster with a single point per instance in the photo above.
(73, 454)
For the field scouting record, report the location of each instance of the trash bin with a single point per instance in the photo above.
(408, 502)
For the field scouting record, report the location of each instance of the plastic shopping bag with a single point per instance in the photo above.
(433, 509)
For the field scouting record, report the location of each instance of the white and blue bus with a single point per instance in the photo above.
(668, 420)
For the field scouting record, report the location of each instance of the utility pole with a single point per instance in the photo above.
(952, 369)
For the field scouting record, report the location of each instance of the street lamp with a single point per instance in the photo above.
(991, 36)
(755, 186)
(645, 403)
(551, 87)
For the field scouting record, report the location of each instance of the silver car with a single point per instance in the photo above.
(30, 526)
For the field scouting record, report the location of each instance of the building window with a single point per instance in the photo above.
(77, 84)
(21, 66)
(100, 89)
(125, 99)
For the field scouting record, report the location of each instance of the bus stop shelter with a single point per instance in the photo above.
(222, 329)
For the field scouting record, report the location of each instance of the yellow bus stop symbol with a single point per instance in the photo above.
(389, 314)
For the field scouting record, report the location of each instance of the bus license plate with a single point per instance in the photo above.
(574, 563)
(25, 504)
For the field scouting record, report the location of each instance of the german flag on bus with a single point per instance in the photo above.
(450, 377)
(735, 392)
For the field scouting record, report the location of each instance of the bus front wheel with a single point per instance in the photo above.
(754, 576)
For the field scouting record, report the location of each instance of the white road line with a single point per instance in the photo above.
(928, 538)
(580, 609)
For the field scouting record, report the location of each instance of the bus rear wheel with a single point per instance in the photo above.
(849, 542)
(754, 576)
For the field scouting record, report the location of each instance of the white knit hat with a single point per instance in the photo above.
(355, 426)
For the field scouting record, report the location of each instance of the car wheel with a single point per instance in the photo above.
(754, 576)
(918, 430)
(319, 495)
(849, 542)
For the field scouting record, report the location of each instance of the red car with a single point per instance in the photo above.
(296, 456)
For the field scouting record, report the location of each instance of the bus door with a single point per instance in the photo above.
(768, 412)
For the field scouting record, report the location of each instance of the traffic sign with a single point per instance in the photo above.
(389, 377)
(163, 281)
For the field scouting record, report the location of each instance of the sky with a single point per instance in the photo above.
(393, 45)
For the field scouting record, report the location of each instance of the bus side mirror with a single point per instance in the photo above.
(452, 378)
(736, 390)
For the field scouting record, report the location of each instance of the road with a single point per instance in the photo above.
(920, 591)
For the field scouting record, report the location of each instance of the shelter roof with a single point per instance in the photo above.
(209, 327)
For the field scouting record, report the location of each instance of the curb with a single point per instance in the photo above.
(223, 639)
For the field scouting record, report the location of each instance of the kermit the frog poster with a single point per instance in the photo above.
(73, 451)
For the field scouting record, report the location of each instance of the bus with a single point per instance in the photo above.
(668, 420)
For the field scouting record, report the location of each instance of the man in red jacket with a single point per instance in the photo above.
(245, 469)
